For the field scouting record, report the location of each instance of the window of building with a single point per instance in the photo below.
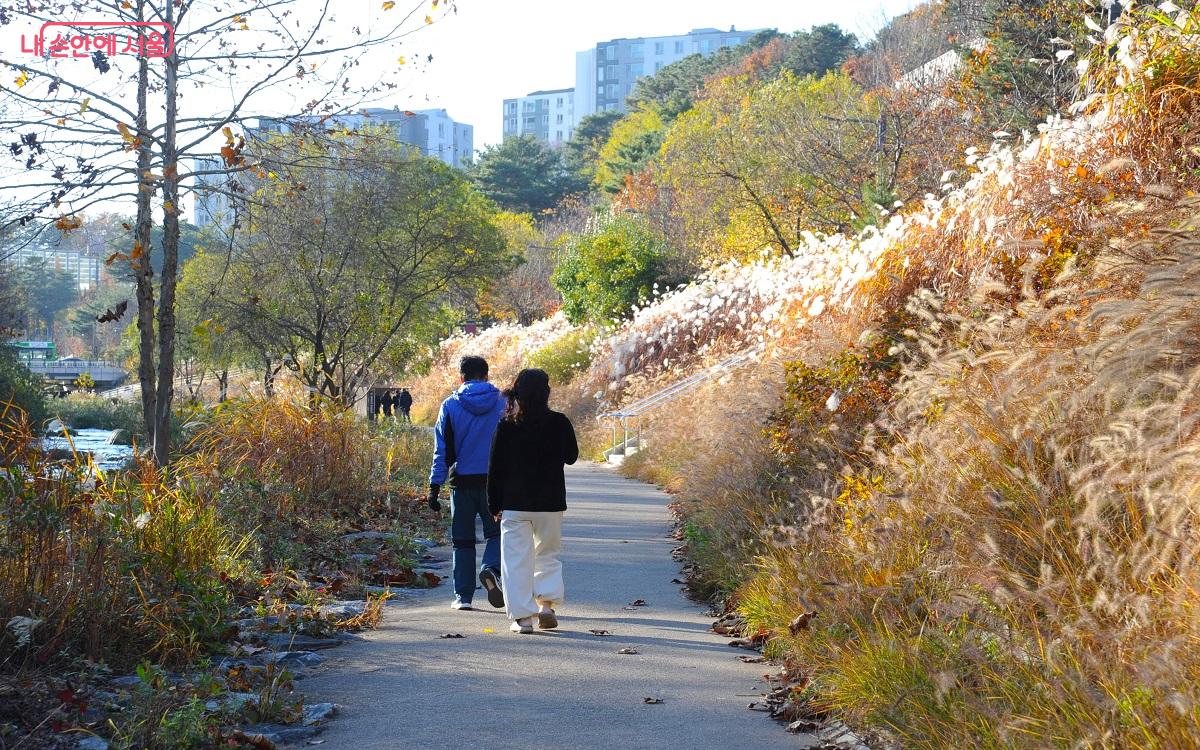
(558, 134)
(559, 119)
(610, 91)
(560, 101)
(636, 50)
(635, 70)
(611, 73)
(441, 128)
(679, 48)
(657, 66)
(729, 41)
(706, 46)
(545, 119)
(658, 48)
(695, 47)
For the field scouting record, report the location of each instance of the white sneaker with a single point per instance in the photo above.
(459, 604)
(524, 626)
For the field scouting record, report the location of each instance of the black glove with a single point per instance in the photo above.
(432, 501)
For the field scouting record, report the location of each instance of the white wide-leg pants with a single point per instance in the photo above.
(530, 570)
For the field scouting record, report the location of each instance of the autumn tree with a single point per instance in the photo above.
(345, 276)
(525, 294)
(115, 125)
(758, 167)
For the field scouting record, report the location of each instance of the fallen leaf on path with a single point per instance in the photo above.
(802, 725)
(488, 630)
(628, 650)
(752, 659)
(652, 701)
(451, 635)
(599, 631)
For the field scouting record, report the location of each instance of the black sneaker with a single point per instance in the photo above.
(491, 583)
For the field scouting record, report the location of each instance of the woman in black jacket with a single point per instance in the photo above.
(527, 493)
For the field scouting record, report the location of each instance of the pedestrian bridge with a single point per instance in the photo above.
(106, 374)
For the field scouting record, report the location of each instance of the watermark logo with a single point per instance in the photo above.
(87, 38)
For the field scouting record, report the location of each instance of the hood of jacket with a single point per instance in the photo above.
(478, 397)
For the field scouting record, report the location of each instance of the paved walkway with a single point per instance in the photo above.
(404, 687)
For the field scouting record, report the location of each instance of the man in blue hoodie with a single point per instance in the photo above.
(462, 440)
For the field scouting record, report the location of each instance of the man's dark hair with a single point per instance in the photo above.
(472, 367)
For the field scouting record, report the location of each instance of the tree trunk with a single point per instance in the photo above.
(140, 256)
(166, 297)
(223, 381)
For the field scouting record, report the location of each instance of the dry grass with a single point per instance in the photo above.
(995, 520)
(115, 568)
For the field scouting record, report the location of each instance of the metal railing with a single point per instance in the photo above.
(629, 418)
(135, 388)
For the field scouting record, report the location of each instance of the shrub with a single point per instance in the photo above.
(565, 357)
(86, 411)
(606, 271)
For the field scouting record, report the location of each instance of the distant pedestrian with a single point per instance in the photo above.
(389, 403)
(380, 401)
(462, 438)
(405, 402)
(527, 494)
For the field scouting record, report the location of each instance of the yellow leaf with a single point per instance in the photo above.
(228, 133)
(488, 630)
(272, 175)
(22, 79)
(428, 19)
(401, 60)
(389, 5)
(124, 130)
(83, 105)
(126, 5)
(168, 206)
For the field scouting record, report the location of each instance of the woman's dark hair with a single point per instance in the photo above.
(528, 396)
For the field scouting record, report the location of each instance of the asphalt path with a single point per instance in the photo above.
(404, 686)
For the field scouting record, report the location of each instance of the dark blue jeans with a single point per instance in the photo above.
(465, 505)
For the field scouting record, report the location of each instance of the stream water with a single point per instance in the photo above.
(107, 457)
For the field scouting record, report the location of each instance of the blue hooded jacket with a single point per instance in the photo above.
(462, 437)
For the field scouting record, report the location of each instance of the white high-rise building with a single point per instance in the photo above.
(605, 75)
(548, 115)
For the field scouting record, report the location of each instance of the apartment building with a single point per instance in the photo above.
(548, 115)
(433, 132)
(605, 75)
